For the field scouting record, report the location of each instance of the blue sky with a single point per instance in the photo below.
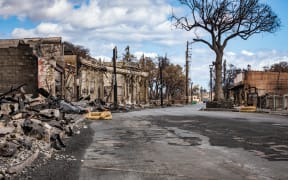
(143, 25)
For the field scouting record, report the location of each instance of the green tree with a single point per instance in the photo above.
(224, 20)
(174, 80)
(196, 89)
(148, 65)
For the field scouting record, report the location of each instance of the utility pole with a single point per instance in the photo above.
(187, 76)
(188, 57)
(211, 69)
(191, 91)
(224, 80)
(131, 80)
(114, 77)
(161, 79)
(201, 93)
(210, 83)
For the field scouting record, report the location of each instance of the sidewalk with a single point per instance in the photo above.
(277, 112)
(258, 110)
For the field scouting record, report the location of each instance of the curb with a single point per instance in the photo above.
(220, 109)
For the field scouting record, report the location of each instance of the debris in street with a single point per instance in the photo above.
(29, 126)
(105, 115)
(70, 108)
(56, 142)
(8, 149)
(248, 109)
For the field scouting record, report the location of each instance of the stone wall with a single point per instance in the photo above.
(259, 83)
(70, 77)
(51, 63)
(38, 62)
(132, 85)
(267, 82)
(18, 66)
(91, 79)
(91, 83)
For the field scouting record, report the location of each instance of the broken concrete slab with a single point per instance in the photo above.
(5, 108)
(17, 116)
(5, 130)
(39, 125)
(33, 129)
(7, 149)
(70, 108)
(35, 101)
(19, 167)
(50, 113)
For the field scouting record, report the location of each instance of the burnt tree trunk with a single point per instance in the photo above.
(218, 84)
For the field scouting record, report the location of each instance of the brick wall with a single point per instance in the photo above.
(268, 82)
(18, 66)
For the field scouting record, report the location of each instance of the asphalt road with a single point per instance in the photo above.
(183, 143)
(178, 143)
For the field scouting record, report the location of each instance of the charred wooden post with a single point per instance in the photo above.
(114, 77)
(161, 80)
(187, 74)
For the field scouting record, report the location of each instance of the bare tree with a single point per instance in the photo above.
(224, 20)
(230, 75)
(279, 67)
(77, 49)
(148, 65)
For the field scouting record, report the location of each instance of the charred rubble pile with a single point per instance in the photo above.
(30, 126)
(98, 105)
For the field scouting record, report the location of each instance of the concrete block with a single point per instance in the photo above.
(17, 116)
(5, 108)
(48, 132)
(6, 130)
(51, 112)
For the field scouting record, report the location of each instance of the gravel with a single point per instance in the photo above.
(64, 164)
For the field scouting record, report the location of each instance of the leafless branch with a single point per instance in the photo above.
(227, 19)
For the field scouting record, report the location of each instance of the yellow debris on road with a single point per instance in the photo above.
(248, 109)
(105, 115)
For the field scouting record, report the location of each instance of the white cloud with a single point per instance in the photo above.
(104, 58)
(48, 28)
(44, 30)
(100, 25)
(259, 59)
(21, 33)
(230, 53)
(201, 50)
(58, 9)
(94, 14)
(247, 53)
(139, 54)
(118, 21)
